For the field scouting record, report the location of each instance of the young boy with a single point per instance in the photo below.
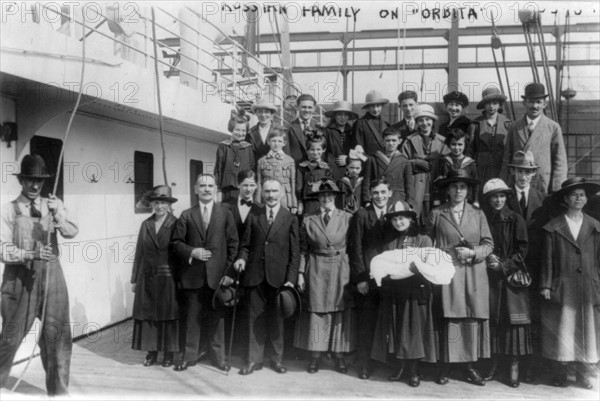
(233, 155)
(338, 136)
(369, 128)
(456, 140)
(278, 166)
(309, 172)
(351, 186)
(394, 167)
(407, 102)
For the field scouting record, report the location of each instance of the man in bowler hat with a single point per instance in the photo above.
(32, 273)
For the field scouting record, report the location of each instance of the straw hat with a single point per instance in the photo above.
(342, 106)
(491, 94)
(374, 97)
(264, 104)
(424, 110)
(496, 185)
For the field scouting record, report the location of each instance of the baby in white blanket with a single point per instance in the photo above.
(433, 263)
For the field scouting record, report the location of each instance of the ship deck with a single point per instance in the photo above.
(105, 367)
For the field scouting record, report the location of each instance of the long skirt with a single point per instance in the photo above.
(333, 332)
(464, 340)
(156, 335)
(511, 339)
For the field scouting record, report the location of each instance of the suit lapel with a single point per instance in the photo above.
(277, 221)
(375, 131)
(447, 214)
(163, 235)
(417, 143)
(297, 130)
(522, 130)
(198, 220)
(263, 223)
(214, 217)
(563, 229)
(151, 227)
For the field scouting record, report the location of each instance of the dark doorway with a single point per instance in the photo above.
(49, 149)
(196, 167)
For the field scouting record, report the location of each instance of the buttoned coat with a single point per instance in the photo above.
(398, 172)
(296, 143)
(281, 169)
(467, 296)
(230, 161)
(259, 147)
(339, 143)
(366, 242)
(271, 252)
(221, 239)
(487, 145)
(462, 123)
(548, 148)
(368, 133)
(571, 270)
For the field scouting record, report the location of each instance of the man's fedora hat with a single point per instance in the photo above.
(496, 185)
(161, 193)
(457, 97)
(342, 106)
(289, 302)
(574, 183)
(264, 103)
(455, 176)
(535, 91)
(33, 166)
(491, 94)
(523, 160)
(374, 97)
(224, 297)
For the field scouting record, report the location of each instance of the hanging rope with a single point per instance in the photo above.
(545, 66)
(160, 115)
(353, 54)
(54, 189)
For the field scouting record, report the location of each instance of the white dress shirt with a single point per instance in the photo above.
(520, 192)
(531, 124)
(243, 209)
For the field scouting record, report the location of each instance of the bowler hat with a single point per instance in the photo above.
(342, 106)
(374, 97)
(491, 94)
(455, 176)
(161, 193)
(33, 166)
(224, 296)
(264, 103)
(496, 185)
(574, 183)
(523, 160)
(535, 90)
(424, 110)
(400, 208)
(288, 301)
(457, 97)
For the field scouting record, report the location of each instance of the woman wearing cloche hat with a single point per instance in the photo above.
(155, 309)
(368, 129)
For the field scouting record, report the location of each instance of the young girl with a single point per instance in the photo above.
(457, 141)
(509, 305)
(277, 165)
(424, 149)
(455, 103)
(351, 186)
(309, 172)
(233, 155)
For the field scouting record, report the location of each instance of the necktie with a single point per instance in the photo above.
(34, 212)
(382, 217)
(271, 216)
(326, 217)
(205, 217)
(530, 128)
(523, 204)
(245, 202)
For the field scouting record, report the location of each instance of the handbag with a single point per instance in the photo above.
(521, 277)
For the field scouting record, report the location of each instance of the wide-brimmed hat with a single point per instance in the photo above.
(571, 184)
(325, 185)
(455, 176)
(496, 185)
(289, 302)
(535, 90)
(225, 296)
(342, 106)
(457, 97)
(33, 166)
(161, 193)
(374, 97)
(424, 110)
(524, 160)
(400, 208)
(491, 94)
(264, 104)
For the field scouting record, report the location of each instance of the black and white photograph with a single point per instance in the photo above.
(299, 200)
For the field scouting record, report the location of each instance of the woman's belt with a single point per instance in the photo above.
(328, 251)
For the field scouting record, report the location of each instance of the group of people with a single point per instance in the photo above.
(306, 212)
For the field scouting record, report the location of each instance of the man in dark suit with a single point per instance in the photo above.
(243, 205)
(269, 257)
(407, 102)
(296, 145)
(206, 242)
(366, 242)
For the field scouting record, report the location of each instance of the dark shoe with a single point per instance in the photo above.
(180, 367)
(396, 377)
(364, 373)
(278, 367)
(414, 381)
(313, 366)
(473, 377)
(560, 380)
(340, 365)
(514, 374)
(442, 380)
(584, 381)
(221, 365)
(251, 367)
(150, 358)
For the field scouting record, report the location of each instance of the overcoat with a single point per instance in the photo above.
(231, 159)
(487, 145)
(155, 294)
(548, 148)
(296, 143)
(366, 242)
(259, 147)
(468, 165)
(462, 122)
(327, 270)
(368, 133)
(405, 131)
(467, 296)
(310, 172)
(571, 270)
(282, 168)
(398, 172)
(339, 143)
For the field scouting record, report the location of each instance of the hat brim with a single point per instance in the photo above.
(589, 187)
(35, 176)
(262, 106)
(493, 98)
(432, 116)
(508, 191)
(162, 198)
(444, 182)
(216, 303)
(296, 296)
(534, 97)
(536, 167)
(376, 101)
(406, 213)
(331, 113)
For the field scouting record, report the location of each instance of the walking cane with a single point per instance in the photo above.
(235, 302)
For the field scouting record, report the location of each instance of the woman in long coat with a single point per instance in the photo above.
(338, 136)
(155, 309)
(462, 230)
(510, 312)
(405, 323)
(570, 285)
(325, 323)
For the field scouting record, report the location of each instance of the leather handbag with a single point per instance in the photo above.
(521, 277)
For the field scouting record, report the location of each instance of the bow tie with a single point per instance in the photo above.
(244, 202)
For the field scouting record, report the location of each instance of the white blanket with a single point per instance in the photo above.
(434, 264)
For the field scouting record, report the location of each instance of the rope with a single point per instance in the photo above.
(54, 188)
(353, 54)
(160, 115)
